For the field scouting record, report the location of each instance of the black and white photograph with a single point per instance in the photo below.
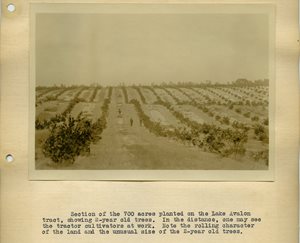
(152, 91)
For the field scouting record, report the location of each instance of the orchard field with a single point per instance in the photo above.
(168, 126)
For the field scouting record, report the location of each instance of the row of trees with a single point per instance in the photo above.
(72, 137)
(213, 141)
(42, 124)
(124, 90)
(95, 91)
(211, 138)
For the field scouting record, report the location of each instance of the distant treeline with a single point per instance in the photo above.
(68, 86)
(242, 82)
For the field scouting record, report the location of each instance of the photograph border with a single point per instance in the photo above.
(153, 175)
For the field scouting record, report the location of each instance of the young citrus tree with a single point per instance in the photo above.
(69, 139)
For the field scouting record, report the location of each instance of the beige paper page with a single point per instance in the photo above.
(260, 207)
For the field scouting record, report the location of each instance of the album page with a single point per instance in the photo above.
(151, 121)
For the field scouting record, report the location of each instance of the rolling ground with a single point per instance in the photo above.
(123, 146)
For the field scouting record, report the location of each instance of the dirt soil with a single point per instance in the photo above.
(133, 147)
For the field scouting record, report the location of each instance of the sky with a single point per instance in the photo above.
(110, 49)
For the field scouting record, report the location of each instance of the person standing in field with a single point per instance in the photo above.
(131, 122)
(141, 122)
